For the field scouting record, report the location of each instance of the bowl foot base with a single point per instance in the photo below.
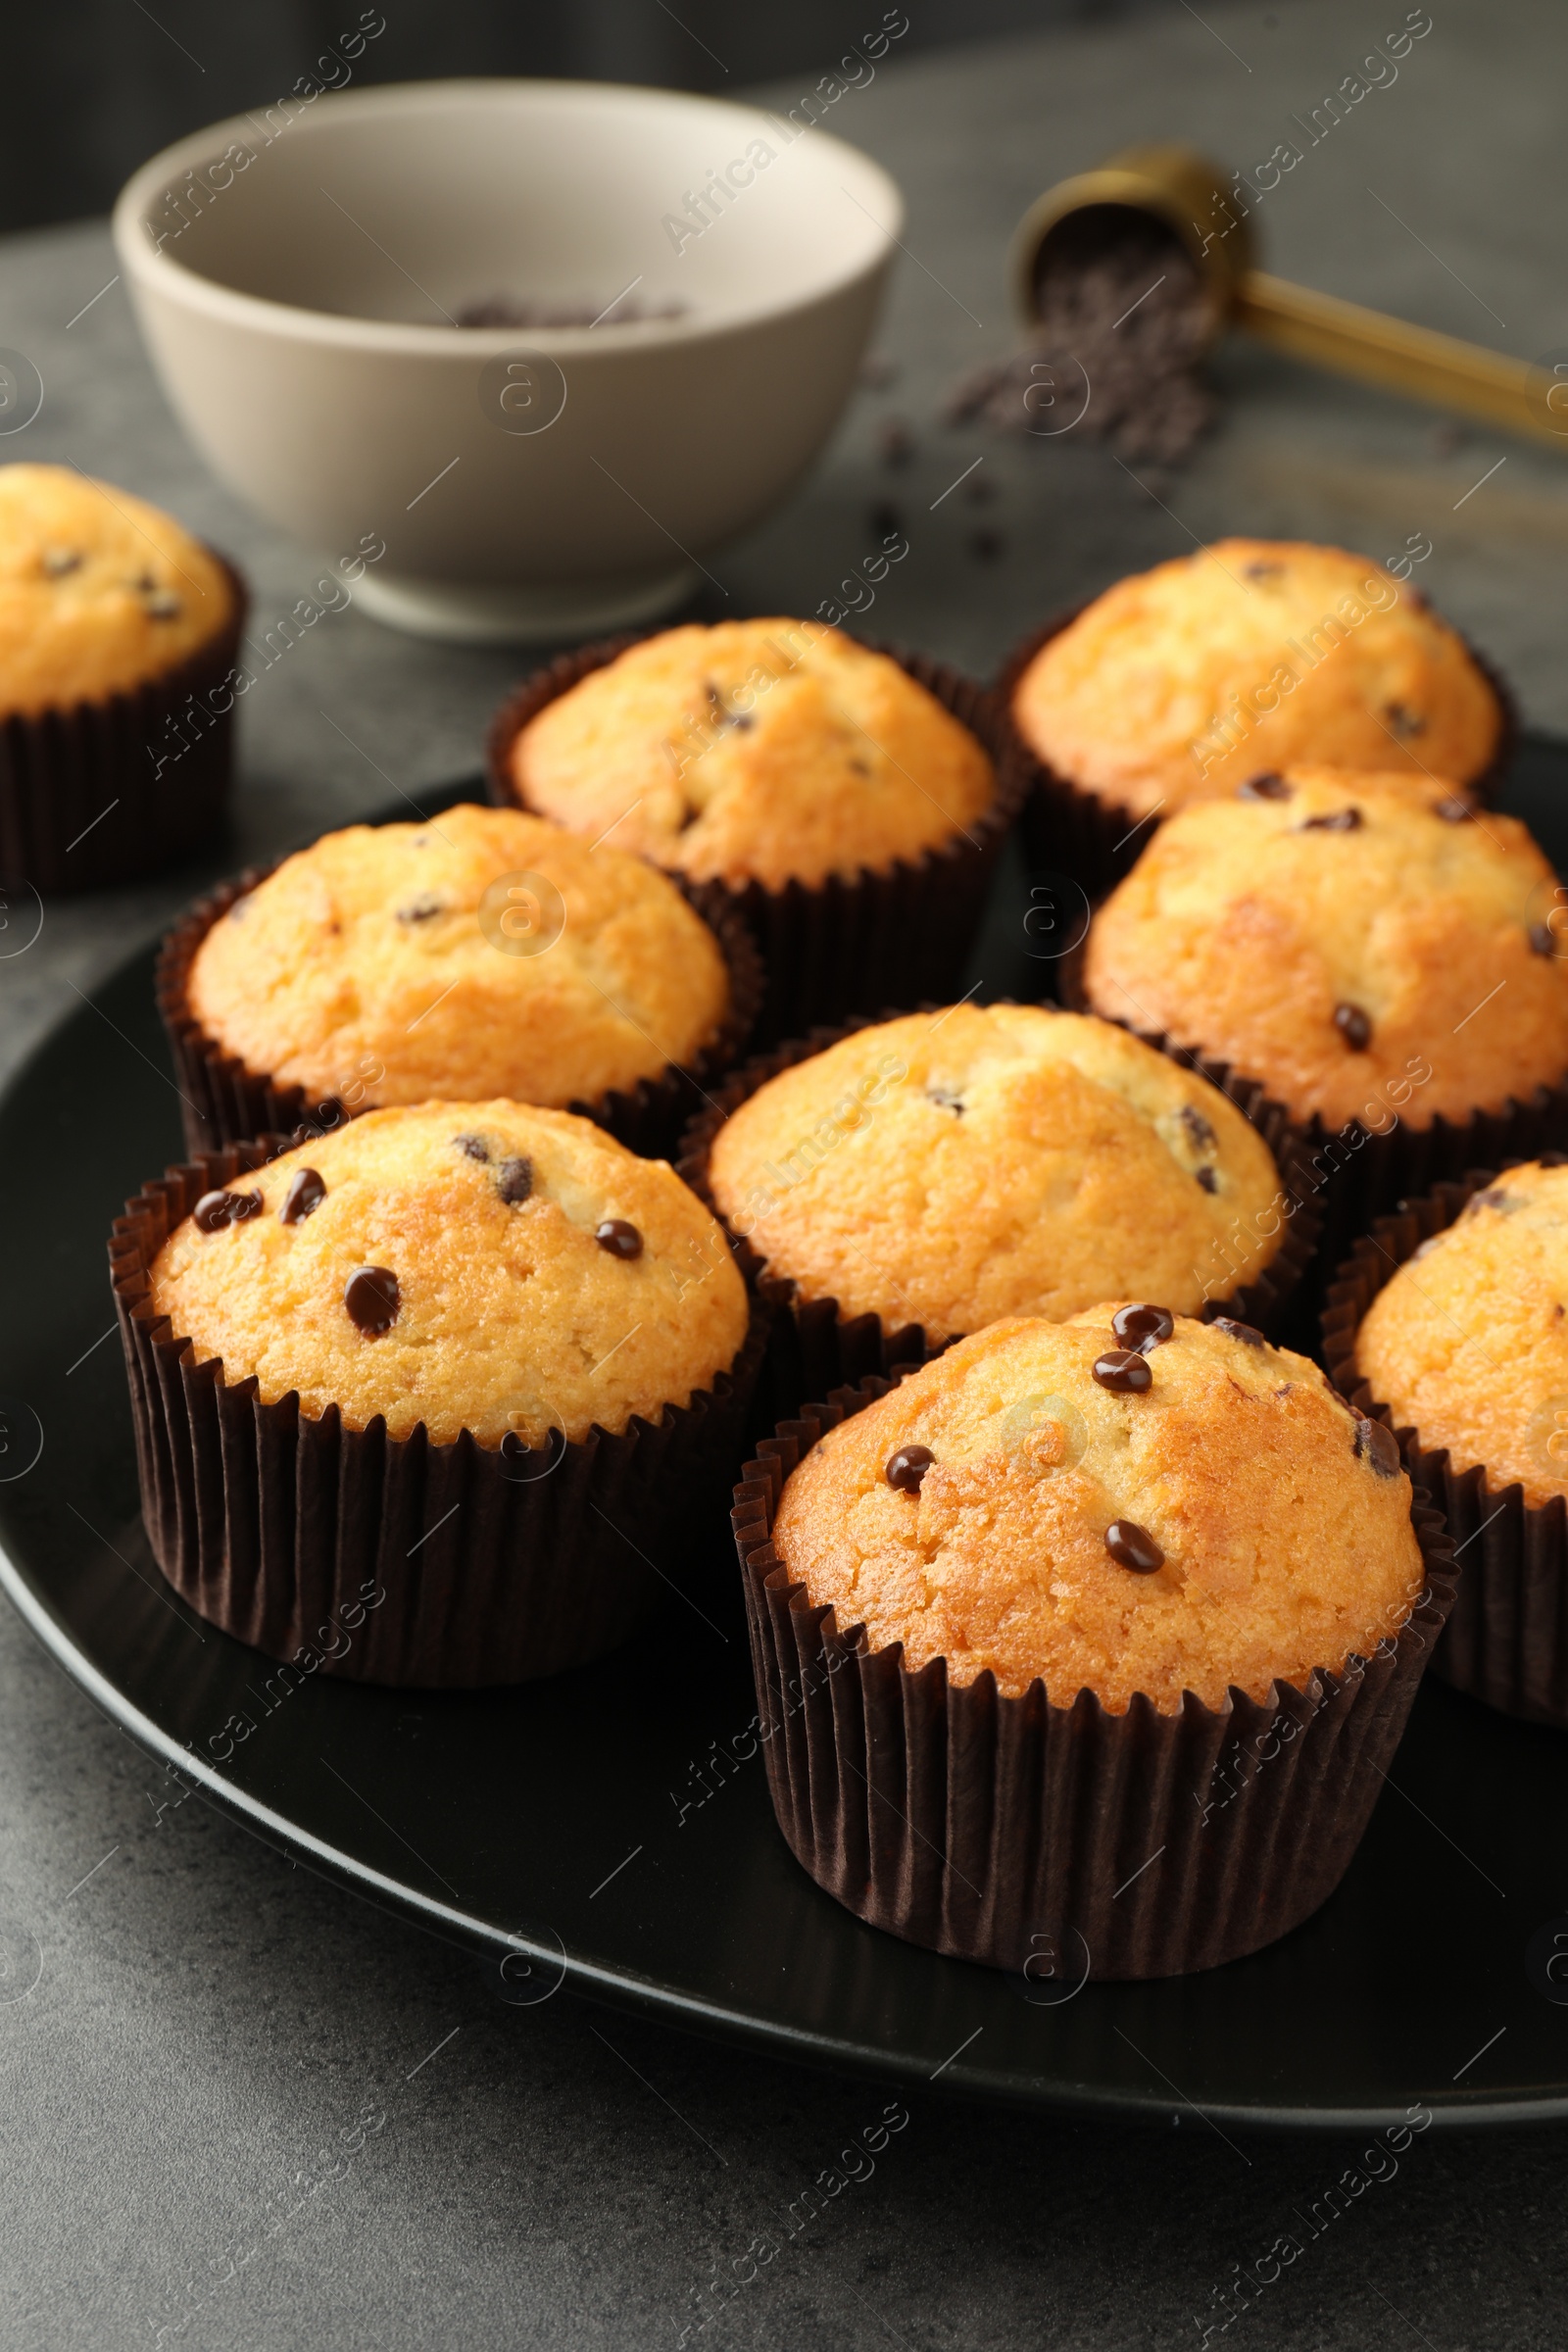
(486, 615)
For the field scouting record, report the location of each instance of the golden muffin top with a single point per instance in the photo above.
(1215, 1518)
(99, 592)
(951, 1168)
(1180, 683)
(765, 750)
(472, 1265)
(1468, 1342)
(481, 953)
(1365, 945)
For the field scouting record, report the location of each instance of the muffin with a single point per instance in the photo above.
(1468, 1345)
(118, 632)
(1450, 1322)
(1377, 957)
(1178, 684)
(927, 1176)
(848, 802)
(1123, 1599)
(481, 953)
(475, 1352)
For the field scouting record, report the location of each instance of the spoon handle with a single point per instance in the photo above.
(1412, 359)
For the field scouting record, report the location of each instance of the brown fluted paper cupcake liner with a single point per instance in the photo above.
(990, 1828)
(1507, 1640)
(1353, 1174)
(898, 936)
(222, 1101)
(1095, 841)
(443, 1566)
(100, 793)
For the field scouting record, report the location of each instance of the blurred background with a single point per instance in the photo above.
(95, 86)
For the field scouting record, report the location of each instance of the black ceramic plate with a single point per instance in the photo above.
(611, 1831)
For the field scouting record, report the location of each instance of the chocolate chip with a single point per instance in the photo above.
(514, 1181)
(1343, 820)
(372, 1298)
(59, 560)
(618, 1237)
(1245, 1332)
(1207, 1179)
(1197, 1128)
(306, 1193)
(907, 1468)
(474, 1145)
(945, 1097)
(1497, 1197)
(1404, 724)
(1142, 1327)
(420, 911)
(1133, 1546)
(163, 605)
(1268, 787)
(1454, 812)
(214, 1210)
(722, 715)
(1542, 939)
(1377, 1445)
(1262, 571)
(1124, 1370)
(1354, 1026)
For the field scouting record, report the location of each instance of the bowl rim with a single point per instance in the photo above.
(156, 270)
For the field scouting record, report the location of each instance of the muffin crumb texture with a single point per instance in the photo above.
(1365, 945)
(450, 1265)
(1467, 1343)
(1233, 1524)
(765, 750)
(481, 953)
(1180, 683)
(99, 592)
(948, 1170)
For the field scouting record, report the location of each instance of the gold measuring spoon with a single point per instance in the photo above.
(1189, 195)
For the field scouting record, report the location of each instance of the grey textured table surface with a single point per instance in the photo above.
(206, 2015)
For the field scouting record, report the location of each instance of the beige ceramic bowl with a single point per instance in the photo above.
(296, 277)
